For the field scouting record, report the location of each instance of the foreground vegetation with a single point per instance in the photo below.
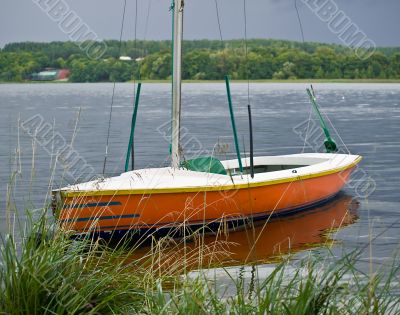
(55, 275)
(203, 60)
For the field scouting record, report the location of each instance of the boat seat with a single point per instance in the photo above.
(207, 164)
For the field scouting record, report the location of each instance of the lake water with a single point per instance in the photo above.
(366, 116)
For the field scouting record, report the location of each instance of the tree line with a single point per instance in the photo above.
(203, 60)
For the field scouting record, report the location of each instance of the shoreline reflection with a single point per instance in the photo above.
(253, 244)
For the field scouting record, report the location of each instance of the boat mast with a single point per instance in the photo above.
(176, 81)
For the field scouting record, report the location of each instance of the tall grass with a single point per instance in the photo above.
(42, 274)
(55, 275)
(310, 289)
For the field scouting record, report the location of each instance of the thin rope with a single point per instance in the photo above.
(135, 41)
(219, 21)
(299, 19)
(337, 133)
(303, 41)
(246, 51)
(221, 37)
(307, 131)
(134, 78)
(113, 91)
(135, 47)
(147, 20)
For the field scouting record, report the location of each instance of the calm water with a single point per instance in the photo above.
(366, 117)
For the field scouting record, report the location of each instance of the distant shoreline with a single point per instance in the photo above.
(207, 61)
(221, 81)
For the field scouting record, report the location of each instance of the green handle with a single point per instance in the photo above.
(133, 124)
(228, 91)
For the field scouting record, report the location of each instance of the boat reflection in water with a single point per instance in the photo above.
(264, 242)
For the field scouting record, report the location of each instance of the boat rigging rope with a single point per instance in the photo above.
(246, 52)
(135, 40)
(303, 42)
(307, 130)
(300, 23)
(337, 133)
(219, 23)
(147, 23)
(221, 38)
(248, 93)
(136, 75)
(134, 82)
(309, 118)
(113, 91)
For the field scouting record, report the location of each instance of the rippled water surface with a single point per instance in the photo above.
(366, 116)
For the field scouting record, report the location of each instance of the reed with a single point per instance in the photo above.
(49, 273)
(312, 288)
(52, 274)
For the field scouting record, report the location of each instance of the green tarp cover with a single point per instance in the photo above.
(206, 164)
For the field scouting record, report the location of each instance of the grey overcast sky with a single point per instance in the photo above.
(23, 20)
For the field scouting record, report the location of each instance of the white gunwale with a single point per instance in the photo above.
(172, 180)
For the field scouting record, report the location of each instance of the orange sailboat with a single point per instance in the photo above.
(203, 192)
(159, 200)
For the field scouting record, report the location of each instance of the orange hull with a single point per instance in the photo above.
(125, 212)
